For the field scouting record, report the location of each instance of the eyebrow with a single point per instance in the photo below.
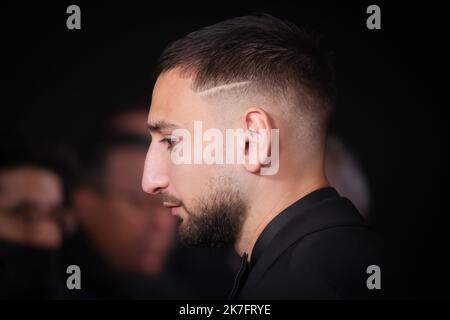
(160, 125)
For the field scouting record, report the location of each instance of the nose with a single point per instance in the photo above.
(154, 178)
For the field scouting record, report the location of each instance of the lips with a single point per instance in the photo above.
(172, 207)
(170, 204)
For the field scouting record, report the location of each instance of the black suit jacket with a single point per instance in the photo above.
(318, 248)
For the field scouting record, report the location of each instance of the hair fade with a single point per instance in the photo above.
(274, 54)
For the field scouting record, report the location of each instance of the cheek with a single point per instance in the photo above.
(124, 228)
(45, 234)
(125, 215)
(189, 180)
(13, 229)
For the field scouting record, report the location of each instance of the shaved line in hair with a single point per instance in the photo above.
(225, 87)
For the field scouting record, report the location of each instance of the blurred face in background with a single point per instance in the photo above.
(30, 203)
(132, 231)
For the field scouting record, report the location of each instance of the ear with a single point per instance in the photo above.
(257, 125)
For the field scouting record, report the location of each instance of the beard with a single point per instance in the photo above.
(215, 218)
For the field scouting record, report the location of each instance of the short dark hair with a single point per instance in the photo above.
(275, 54)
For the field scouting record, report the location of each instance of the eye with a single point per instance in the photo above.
(169, 141)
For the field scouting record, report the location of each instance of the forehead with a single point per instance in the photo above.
(133, 121)
(35, 184)
(174, 100)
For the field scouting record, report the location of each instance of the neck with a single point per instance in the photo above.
(268, 205)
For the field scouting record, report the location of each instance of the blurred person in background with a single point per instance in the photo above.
(124, 241)
(34, 180)
(119, 238)
(345, 173)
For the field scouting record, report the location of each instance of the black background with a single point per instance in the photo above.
(391, 82)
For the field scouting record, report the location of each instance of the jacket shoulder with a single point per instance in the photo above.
(333, 262)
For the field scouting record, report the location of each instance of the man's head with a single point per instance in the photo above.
(32, 195)
(249, 74)
(132, 232)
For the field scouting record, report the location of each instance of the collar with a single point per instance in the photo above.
(286, 216)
